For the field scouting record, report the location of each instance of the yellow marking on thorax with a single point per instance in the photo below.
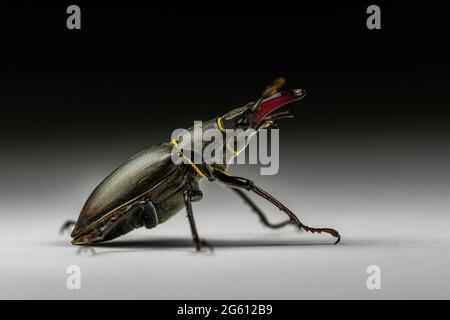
(175, 145)
(219, 124)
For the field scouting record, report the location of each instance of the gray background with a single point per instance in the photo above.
(390, 202)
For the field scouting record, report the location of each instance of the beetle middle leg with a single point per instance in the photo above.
(244, 183)
(199, 243)
(259, 212)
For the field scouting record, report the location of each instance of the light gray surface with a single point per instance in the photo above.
(404, 232)
(388, 196)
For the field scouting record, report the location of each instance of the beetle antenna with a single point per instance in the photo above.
(273, 87)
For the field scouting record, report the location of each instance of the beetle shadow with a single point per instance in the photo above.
(181, 243)
(186, 245)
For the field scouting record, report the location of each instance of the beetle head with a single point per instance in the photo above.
(260, 114)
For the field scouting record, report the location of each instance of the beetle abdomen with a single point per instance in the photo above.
(132, 180)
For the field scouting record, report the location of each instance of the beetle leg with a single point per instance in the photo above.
(66, 225)
(147, 214)
(86, 247)
(259, 212)
(199, 243)
(244, 183)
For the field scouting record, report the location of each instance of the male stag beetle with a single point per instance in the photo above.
(149, 188)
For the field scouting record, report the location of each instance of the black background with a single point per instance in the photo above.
(135, 67)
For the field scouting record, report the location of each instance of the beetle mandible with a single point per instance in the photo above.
(149, 188)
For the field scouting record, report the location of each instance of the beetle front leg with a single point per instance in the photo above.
(244, 183)
(199, 243)
(259, 212)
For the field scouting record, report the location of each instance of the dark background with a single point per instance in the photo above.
(136, 67)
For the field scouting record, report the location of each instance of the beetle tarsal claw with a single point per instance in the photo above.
(330, 231)
(202, 243)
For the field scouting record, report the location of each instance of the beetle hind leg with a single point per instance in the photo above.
(86, 247)
(66, 226)
(260, 213)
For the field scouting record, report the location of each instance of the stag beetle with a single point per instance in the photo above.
(149, 188)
